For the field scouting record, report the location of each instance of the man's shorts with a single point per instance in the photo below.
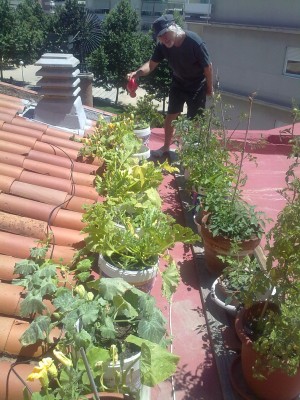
(195, 101)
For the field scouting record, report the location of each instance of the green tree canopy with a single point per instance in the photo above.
(8, 38)
(32, 25)
(74, 29)
(22, 32)
(122, 48)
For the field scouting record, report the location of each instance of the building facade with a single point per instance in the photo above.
(255, 48)
(254, 45)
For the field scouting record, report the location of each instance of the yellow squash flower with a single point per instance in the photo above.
(41, 372)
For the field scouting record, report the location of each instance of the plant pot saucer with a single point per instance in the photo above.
(238, 382)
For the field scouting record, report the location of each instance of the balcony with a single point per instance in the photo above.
(197, 11)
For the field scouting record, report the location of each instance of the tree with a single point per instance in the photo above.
(158, 83)
(7, 34)
(120, 49)
(32, 24)
(74, 28)
(22, 32)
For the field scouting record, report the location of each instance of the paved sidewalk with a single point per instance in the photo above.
(26, 76)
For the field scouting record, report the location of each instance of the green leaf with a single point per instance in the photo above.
(157, 364)
(152, 328)
(110, 287)
(83, 276)
(124, 308)
(39, 252)
(84, 265)
(25, 267)
(37, 330)
(107, 329)
(32, 304)
(170, 280)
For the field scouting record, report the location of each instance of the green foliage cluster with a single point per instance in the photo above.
(132, 201)
(145, 113)
(278, 339)
(121, 50)
(22, 32)
(106, 319)
(215, 171)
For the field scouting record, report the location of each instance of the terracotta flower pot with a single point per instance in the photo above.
(215, 246)
(276, 385)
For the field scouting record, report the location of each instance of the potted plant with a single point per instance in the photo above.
(269, 331)
(114, 326)
(203, 153)
(145, 116)
(138, 245)
(229, 219)
(111, 137)
(233, 289)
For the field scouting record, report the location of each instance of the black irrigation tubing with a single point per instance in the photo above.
(11, 369)
(66, 201)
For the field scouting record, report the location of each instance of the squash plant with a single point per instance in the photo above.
(114, 318)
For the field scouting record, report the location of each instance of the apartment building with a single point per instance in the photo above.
(255, 48)
(254, 45)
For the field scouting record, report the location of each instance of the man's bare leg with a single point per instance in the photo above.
(169, 133)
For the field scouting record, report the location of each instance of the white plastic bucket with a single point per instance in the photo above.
(142, 279)
(143, 134)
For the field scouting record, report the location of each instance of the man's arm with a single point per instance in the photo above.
(144, 70)
(208, 72)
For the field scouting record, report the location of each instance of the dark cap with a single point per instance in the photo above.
(161, 24)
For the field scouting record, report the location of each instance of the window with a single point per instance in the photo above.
(292, 62)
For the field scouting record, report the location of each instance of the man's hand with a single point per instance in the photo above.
(133, 75)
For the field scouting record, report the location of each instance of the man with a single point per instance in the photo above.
(188, 58)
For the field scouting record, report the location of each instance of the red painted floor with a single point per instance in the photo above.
(196, 377)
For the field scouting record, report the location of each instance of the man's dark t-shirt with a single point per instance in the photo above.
(186, 61)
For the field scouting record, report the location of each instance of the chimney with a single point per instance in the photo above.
(61, 104)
